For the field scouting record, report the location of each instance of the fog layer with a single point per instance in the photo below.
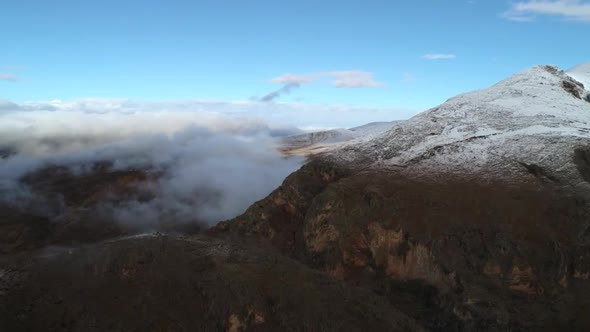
(202, 167)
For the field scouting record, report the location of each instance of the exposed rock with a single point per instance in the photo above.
(162, 283)
(459, 242)
(573, 88)
(582, 161)
(279, 217)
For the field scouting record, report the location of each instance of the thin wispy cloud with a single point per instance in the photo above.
(409, 78)
(338, 78)
(518, 17)
(7, 73)
(439, 56)
(285, 89)
(9, 77)
(290, 82)
(526, 11)
(353, 79)
(294, 79)
(12, 68)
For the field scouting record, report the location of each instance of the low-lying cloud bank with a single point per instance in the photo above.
(300, 115)
(204, 166)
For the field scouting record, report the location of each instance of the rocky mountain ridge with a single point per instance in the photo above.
(533, 117)
(482, 204)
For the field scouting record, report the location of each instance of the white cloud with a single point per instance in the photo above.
(338, 78)
(203, 156)
(438, 56)
(353, 79)
(525, 11)
(203, 148)
(518, 17)
(294, 79)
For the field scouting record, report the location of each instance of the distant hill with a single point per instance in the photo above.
(322, 141)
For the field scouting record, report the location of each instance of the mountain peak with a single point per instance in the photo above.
(537, 116)
(540, 89)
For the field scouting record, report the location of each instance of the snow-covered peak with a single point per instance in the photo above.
(538, 90)
(581, 73)
(534, 117)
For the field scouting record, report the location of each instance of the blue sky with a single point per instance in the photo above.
(354, 53)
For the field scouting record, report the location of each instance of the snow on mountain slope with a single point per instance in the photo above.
(538, 117)
(316, 137)
(374, 128)
(322, 141)
(581, 73)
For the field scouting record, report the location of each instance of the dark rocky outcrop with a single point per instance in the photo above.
(582, 161)
(573, 89)
(279, 217)
(162, 283)
(452, 254)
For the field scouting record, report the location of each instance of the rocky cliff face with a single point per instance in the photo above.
(452, 254)
(473, 215)
(172, 283)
